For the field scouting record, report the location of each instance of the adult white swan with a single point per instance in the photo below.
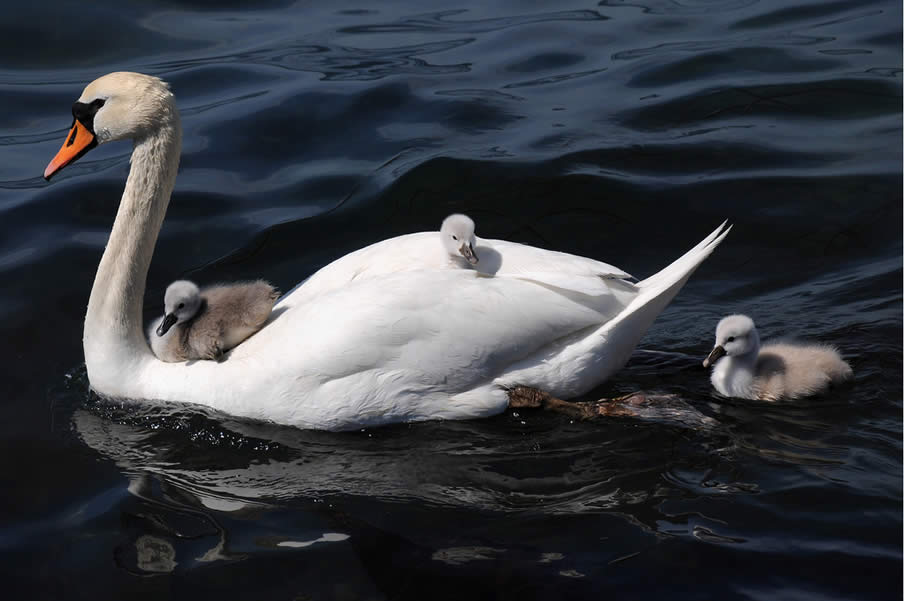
(357, 344)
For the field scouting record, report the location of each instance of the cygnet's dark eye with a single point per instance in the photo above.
(730, 339)
(180, 306)
(455, 238)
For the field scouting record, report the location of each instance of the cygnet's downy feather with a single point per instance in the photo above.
(204, 324)
(742, 368)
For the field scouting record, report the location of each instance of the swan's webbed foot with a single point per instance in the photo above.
(629, 405)
(623, 406)
(532, 398)
(523, 397)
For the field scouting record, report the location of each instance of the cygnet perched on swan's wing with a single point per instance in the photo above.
(420, 251)
(457, 235)
(744, 369)
(495, 257)
(205, 324)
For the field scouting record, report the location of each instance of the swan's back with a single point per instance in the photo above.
(516, 258)
(789, 370)
(422, 251)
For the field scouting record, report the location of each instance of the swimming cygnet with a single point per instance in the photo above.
(457, 234)
(744, 369)
(205, 324)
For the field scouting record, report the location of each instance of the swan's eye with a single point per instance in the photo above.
(730, 339)
(455, 237)
(84, 113)
(180, 306)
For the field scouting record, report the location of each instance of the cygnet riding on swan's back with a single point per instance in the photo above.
(204, 324)
(483, 256)
(744, 369)
(457, 236)
(356, 344)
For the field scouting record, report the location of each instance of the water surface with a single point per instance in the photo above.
(624, 131)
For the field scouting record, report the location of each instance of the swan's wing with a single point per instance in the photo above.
(424, 251)
(394, 348)
(591, 285)
(410, 252)
(436, 320)
(502, 257)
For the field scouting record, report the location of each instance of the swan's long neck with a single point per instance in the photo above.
(113, 336)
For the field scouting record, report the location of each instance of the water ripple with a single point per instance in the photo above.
(552, 79)
(624, 132)
(439, 22)
(682, 7)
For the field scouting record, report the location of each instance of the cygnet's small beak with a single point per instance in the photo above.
(467, 251)
(717, 352)
(79, 141)
(168, 322)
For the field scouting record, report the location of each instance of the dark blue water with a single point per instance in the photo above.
(623, 131)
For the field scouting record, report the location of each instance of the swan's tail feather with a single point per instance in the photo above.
(655, 293)
(591, 358)
(685, 265)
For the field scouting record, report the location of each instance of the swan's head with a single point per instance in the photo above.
(735, 336)
(180, 303)
(117, 106)
(457, 234)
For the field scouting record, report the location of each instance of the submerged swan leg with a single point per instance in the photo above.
(663, 408)
(524, 397)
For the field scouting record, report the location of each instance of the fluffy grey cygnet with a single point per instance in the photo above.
(744, 369)
(457, 235)
(204, 324)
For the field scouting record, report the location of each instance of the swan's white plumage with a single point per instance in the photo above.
(385, 334)
(496, 257)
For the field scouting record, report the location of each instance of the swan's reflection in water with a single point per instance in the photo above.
(526, 499)
(533, 461)
(168, 518)
(155, 555)
(208, 489)
(528, 494)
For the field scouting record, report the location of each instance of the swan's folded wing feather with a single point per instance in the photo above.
(520, 258)
(449, 329)
(410, 252)
(590, 285)
(422, 250)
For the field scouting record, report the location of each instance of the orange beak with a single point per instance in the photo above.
(78, 142)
